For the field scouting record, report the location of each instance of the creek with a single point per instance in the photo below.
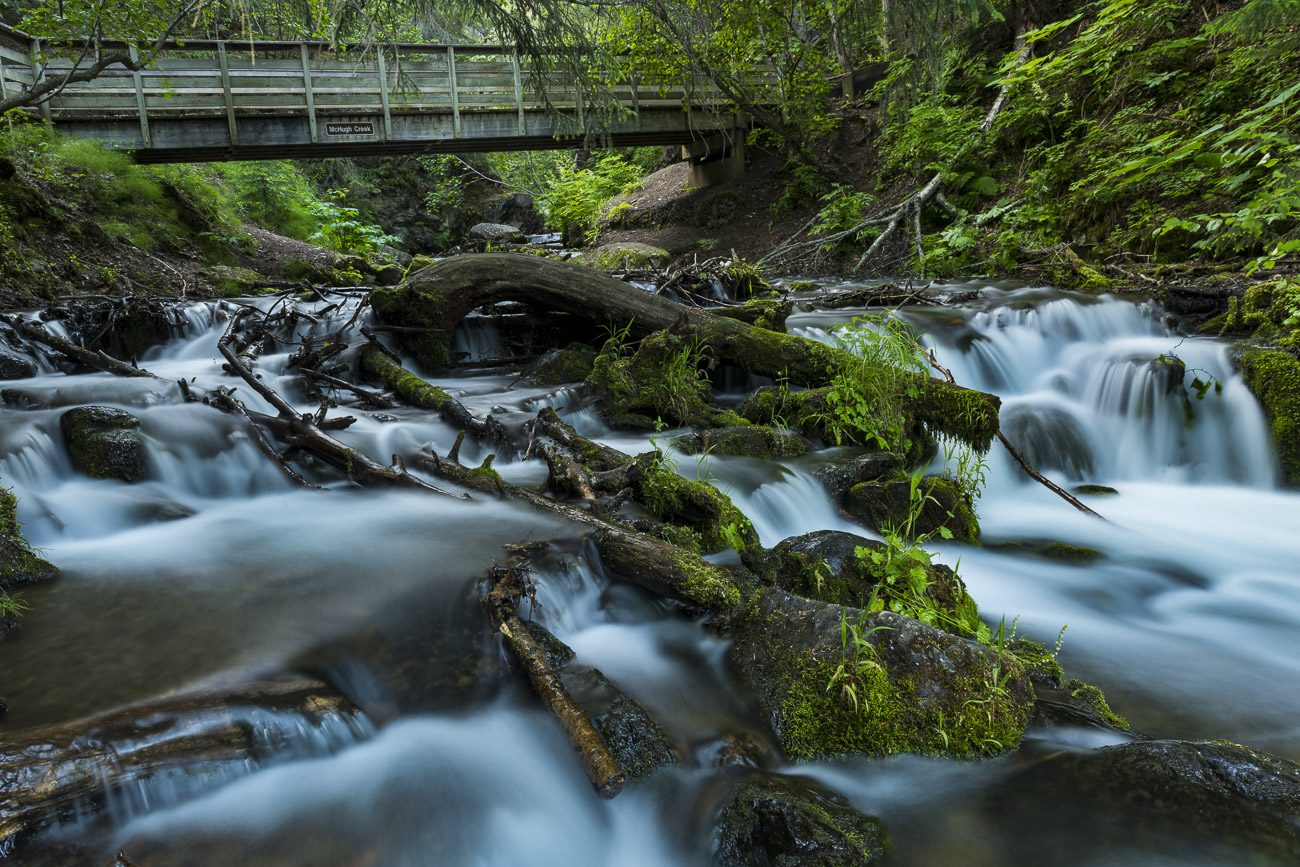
(218, 571)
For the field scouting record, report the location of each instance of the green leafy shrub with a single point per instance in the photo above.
(575, 200)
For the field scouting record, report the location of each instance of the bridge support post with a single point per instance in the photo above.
(138, 80)
(306, 87)
(38, 76)
(716, 159)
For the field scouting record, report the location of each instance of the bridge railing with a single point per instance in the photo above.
(327, 84)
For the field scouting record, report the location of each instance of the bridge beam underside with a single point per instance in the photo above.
(208, 139)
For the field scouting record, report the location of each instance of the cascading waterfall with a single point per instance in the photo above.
(217, 570)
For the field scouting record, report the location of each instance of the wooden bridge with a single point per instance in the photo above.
(204, 100)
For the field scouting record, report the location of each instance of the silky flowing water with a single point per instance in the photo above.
(218, 571)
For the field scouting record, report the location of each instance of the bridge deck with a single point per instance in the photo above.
(215, 100)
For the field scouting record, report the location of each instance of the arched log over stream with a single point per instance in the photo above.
(434, 300)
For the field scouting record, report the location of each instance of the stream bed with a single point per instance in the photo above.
(217, 571)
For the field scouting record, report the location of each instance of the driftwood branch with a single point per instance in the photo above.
(92, 358)
(506, 585)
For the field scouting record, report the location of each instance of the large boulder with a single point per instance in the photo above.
(905, 688)
(627, 256)
(495, 233)
(515, 210)
(1219, 793)
(778, 820)
(105, 443)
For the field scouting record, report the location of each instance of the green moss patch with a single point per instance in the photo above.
(1273, 376)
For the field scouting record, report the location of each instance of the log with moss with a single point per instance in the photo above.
(431, 303)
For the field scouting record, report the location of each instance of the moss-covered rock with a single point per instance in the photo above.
(230, 281)
(299, 269)
(663, 380)
(910, 688)
(558, 366)
(1095, 490)
(779, 820)
(750, 440)
(389, 274)
(769, 313)
(1273, 376)
(883, 504)
(627, 256)
(418, 263)
(19, 564)
(837, 567)
(1070, 553)
(105, 443)
(423, 314)
(694, 505)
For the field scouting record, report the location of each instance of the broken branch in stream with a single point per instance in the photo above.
(92, 358)
(506, 585)
(303, 431)
(1019, 458)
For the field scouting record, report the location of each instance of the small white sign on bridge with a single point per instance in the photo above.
(354, 128)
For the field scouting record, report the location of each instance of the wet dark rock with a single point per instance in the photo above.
(105, 443)
(778, 820)
(1049, 438)
(15, 361)
(839, 477)
(516, 210)
(738, 749)
(494, 232)
(1213, 791)
(916, 689)
(755, 441)
(883, 504)
(1169, 373)
(638, 743)
(562, 365)
(557, 653)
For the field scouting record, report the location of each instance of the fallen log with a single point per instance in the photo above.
(506, 585)
(50, 773)
(378, 363)
(438, 297)
(653, 564)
